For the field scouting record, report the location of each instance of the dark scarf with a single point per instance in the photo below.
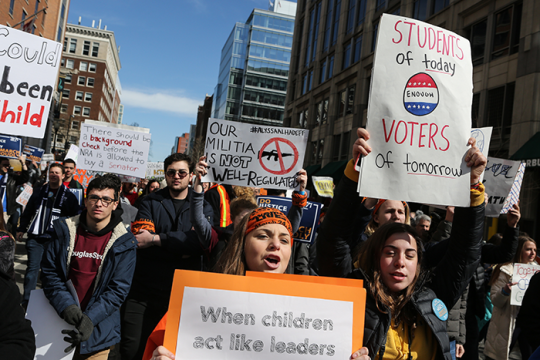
(3, 184)
(40, 225)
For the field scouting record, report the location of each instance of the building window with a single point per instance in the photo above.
(86, 48)
(322, 112)
(73, 139)
(328, 27)
(381, 4)
(438, 5)
(68, 79)
(342, 99)
(95, 49)
(81, 81)
(313, 34)
(303, 118)
(350, 16)
(63, 62)
(507, 24)
(11, 5)
(320, 149)
(420, 10)
(361, 12)
(74, 125)
(88, 96)
(63, 108)
(90, 82)
(500, 107)
(477, 37)
(475, 110)
(310, 80)
(346, 56)
(70, 64)
(86, 111)
(322, 77)
(345, 139)
(65, 44)
(92, 67)
(72, 45)
(374, 39)
(350, 103)
(336, 147)
(79, 95)
(76, 110)
(65, 94)
(357, 49)
(331, 67)
(83, 66)
(332, 23)
(304, 83)
(337, 12)
(346, 101)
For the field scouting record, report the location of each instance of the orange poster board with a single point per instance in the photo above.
(309, 279)
(314, 289)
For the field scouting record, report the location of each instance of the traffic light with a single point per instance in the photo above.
(61, 82)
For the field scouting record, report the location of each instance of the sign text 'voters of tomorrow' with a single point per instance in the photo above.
(254, 155)
(29, 66)
(419, 115)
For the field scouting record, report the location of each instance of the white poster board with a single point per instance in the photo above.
(513, 196)
(483, 139)
(522, 275)
(419, 115)
(24, 196)
(226, 322)
(73, 153)
(118, 149)
(498, 180)
(47, 326)
(154, 170)
(29, 70)
(254, 155)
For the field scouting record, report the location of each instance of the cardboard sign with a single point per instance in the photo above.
(85, 176)
(310, 215)
(242, 317)
(154, 170)
(498, 179)
(73, 153)
(24, 196)
(513, 197)
(323, 185)
(254, 155)
(419, 115)
(79, 194)
(118, 149)
(33, 153)
(483, 139)
(29, 69)
(10, 146)
(522, 275)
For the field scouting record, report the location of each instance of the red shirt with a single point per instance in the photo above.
(66, 183)
(132, 197)
(85, 261)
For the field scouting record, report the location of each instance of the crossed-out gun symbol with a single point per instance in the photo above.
(270, 154)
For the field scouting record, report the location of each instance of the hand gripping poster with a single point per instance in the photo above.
(419, 115)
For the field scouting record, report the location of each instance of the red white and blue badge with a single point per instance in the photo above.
(439, 309)
(421, 95)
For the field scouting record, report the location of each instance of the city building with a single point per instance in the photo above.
(203, 114)
(90, 66)
(332, 58)
(254, 67)
(191, 144)
(181, 144)
(120, 114)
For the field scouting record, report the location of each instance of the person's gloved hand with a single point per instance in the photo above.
(72, 315)
(81, 333)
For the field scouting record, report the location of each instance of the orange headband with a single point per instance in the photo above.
(264, 215)
(381, 202)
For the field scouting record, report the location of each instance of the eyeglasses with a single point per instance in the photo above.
(181, 173)
(106, 201)
(4, 165)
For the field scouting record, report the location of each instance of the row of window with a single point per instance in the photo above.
(89, 48)
(77, 110)
(340, 148)
(24, 15)
(79, 95)
(81, 80)
(83, 65)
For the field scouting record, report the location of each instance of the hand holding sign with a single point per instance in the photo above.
(475, 160)
(200, 170)
(513, 216)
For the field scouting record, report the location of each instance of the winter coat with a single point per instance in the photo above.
(447, 282)
(112, 282)
(14, 183)
(529, 315)
(503, 320)
(455, 325)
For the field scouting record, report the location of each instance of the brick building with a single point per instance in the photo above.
(332, 57)
(181, 144)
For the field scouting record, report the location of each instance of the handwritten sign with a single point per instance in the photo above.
(254, 155)
(33, 153)
(10, 147)
(323, 185)
(310, 215)
(498, 180)
(522, 275)
(118, 149)
(513, 196)
(419, 115)
(73, 153)
(216, 316)
(29, 69)
(154, 170)
(47, 157)
(483, 139)
(85, 176)
(24, 196)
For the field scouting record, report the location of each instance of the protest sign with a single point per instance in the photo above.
(47, 326)
(47, 157)
(242, 317)
(254, 155)
(33, 153)
(73, 153)
(323, 185)
(154, 170)
(29, 69)
(419, 115)
(24, 196)
(128, 179)
(10, 146)
(483, 139)
(522, 275)
(85, 176)
(79, 194)
(513, 197)
(498, 179)
(118, 149)
(310, 216)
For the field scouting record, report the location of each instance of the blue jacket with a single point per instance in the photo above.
(112, 283)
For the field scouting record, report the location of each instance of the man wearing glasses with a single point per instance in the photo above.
(96, 254)
(166, 242)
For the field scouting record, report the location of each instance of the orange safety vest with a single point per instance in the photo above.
(224, 209)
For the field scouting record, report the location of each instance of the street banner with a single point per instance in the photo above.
(118, 149)
(498, 180)
(254, 155)
(522, 275)
(246, 317)
(29, 70)
(33, 153)
(310, 215)
(419, 115)
(324, 185)
(154, 170)
(513, 197)
(24, 196)
(10, 147)
(73, 153)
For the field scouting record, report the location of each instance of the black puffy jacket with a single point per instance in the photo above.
(447, 282)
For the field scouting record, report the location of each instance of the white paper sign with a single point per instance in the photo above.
(154, 170)
(29, 69)
(483, 139)
(419, 115)
(522, 275)
(254, 155)
(498, 180)
(73, 153)
(113, 149)
(244, 325)
(47, 157)
(513, 197)
(24, 196)
(48, 328)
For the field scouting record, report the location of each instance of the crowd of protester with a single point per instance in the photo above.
(107, 261)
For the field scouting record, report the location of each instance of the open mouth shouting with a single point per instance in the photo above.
(272, 261)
